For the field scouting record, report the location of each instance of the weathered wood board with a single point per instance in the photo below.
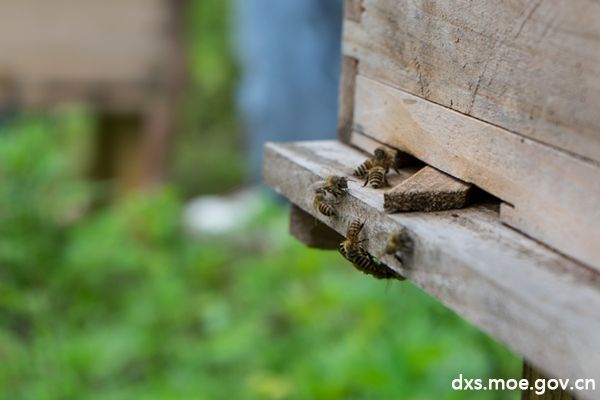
(427, 190)
(353, 9)
(532, 67)
(61, 50)
(555, 197)
(346, 98)
(541, 304)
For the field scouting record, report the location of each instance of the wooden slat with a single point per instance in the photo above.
(427, 190)
(539, 303)
(555, 197)
(353, 9)
(369, 145)
(65, 50)
(532, 67)
(346, 98)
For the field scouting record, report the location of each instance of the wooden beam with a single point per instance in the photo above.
(346, 98)
(369, 145)
(539, 303)
(353, 9)
(312, 232)
(427, 190)
(555, 196)
(532, 67)
(111, 53)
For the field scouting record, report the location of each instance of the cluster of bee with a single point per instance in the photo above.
(362, 260)
(329, 193)
(375, 169)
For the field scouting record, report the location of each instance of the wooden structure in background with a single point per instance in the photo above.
(122, 57)
(502, 96)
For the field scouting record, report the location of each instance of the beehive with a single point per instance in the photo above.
(499, 95)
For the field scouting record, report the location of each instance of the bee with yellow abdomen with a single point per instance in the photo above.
(328, 193)
(382, 157)
(363, 169)
(351, 249)
(376, 177)
(360, 258)
(386, 158)
(400, 245)
(336, 185)
(324, 204)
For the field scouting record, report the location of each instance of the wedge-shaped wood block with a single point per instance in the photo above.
(427, 190)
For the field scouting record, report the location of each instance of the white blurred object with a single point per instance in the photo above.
(222, 214)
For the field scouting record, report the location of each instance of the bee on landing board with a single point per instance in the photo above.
(328, 193)
(400, 245)
(376, 177)
(376, 168)
(382, 157)
(336, 185)
(352, 251)
(324, 205)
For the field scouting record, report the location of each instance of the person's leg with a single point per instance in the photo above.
(289, 54)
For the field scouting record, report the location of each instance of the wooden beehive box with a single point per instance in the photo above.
(501, 95)
(113, 53)
(124, 58)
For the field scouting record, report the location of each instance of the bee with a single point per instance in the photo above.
(363, 169)
(376, 177)
(362, 260)
(328, 193)
(400, 245)
(334, 185)
(324, 205)
(337, 185)
(381, 158)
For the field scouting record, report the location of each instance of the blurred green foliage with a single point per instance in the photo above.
(208, 149)
(119, 303)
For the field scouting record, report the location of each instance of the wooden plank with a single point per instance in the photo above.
(312, 232)
(353, 9)
(346, 98)
(555, 197)
(63, 50)
(531, 67)
(369, 145)
(427, 190)
(539, 303)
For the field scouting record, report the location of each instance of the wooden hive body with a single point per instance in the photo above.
(500, 95)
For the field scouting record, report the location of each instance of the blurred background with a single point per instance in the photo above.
(139, 255)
